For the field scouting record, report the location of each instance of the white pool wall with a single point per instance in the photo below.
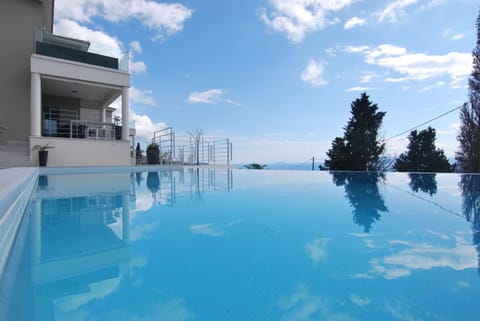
(16, 187)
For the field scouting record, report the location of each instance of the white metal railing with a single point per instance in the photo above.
(65, 123)
(93, 130)
(185, 149)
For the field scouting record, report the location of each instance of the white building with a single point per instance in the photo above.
(54, 91)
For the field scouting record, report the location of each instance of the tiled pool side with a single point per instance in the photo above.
(15, 191)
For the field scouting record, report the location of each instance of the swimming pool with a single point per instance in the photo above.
(210, 244)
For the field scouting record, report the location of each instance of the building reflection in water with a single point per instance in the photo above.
(192, 182)
(72, 243)
(80, 230)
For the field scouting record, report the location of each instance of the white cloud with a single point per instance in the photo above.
(316, 250)
(211, 96)
(97, 290)
(313, 73)
(452, 129)
(401, 79)
(433, 86)
(424, 256)
(354, 22)
(100, 42)
(416, 66)
(394, 10)
(368, 77)
(138, 67)
(206, 229)
(448, 33)
(163, 18)
(355, 49)
(142, 96)
(331, 52)
(457, 36)
(143, 200)
(296, 18)
(302, 305)
(422, 66)
(145, 127)
(135, 47)
(359, 300)
(358, 88)
(432, 3)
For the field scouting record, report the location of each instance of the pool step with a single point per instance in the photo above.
(15, 153)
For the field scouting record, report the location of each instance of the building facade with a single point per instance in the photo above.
(55, 91)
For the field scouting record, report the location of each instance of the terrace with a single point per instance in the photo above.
(72, 88)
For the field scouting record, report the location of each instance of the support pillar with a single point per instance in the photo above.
(36, 228)
(35, 104)
(125, 219)
(125, 113)
(104, 114)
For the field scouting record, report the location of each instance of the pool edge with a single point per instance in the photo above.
(14, 198)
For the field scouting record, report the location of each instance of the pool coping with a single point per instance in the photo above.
(14, 198)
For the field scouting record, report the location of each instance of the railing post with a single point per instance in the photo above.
(214, 151)
(228, 153)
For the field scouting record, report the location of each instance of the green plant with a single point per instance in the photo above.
(153, 146)
(42, 147)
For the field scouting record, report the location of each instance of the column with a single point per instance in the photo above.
(104, 114)
(126, 219)
(36, 232)
(125, 113)
(35, 104)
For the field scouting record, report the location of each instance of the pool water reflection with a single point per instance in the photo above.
(276, 245)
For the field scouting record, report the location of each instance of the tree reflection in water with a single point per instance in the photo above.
(426, 183)
(470, 185)
(361, 190)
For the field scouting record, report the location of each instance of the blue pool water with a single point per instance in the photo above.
(219, 245)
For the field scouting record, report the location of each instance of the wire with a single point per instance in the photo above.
(424, 123)
(429, 201)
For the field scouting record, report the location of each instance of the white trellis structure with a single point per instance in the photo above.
(188, 150)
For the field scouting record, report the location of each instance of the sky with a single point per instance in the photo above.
(277, 77)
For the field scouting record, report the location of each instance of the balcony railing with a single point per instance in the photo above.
(66, 123)
(47, 44)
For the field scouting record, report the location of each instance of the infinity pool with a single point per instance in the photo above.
(216, 245)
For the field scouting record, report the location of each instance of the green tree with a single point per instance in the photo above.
(254, 166)
(359, 149)
(422, 155)
(468, 157)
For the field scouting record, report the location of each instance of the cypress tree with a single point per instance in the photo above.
(359, 149)
(422, 155)
(468, 157)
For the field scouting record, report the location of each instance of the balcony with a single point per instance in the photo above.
(50, 45)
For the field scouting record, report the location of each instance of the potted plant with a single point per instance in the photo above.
(153, 153)
(42, 153)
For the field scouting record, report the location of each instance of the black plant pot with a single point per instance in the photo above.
(153, 156)
(42, 157)
(43, 181)
(153, 182)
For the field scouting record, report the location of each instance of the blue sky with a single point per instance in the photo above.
(277, 77)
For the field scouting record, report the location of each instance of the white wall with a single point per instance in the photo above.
(82, 152)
